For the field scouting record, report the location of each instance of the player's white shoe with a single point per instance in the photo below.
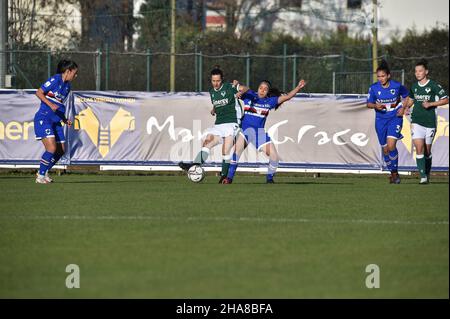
(40, 179)
(423, 180)
(46, 177)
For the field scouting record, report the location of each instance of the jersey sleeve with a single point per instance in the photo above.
(273, 102)
(371, 98)
(250, 94)
(411, 93)
(49, 85)
(403, 91)
(439, 91)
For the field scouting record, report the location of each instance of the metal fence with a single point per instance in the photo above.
(359, 82)
(149, 71)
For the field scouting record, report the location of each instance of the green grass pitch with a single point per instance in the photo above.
(165, 237)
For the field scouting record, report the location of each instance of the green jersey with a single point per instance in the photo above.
(227, 108)
(431, 92)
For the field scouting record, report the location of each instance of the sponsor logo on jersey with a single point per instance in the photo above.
(104, 137)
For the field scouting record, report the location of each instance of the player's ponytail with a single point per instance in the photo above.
(217, 71)
(65, 65)
(384, 67)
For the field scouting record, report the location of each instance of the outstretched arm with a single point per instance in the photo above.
(290, 95)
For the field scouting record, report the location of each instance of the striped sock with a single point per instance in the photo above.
(45, 162)
(388, 162)
(53, 161)
(393, 157)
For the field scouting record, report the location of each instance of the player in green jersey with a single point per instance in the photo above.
(228, 114)
(425, 95)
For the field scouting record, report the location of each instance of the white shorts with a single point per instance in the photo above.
(423, 133)
(224, 130)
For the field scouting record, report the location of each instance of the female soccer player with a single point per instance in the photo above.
(426, 95)
(385, 97)
(257, 108)
(47, 121)
(228, 118)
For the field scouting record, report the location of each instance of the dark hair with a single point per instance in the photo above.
(65, 65)
(217, 71)
(423, 63)
(273, 92)
(384, 67)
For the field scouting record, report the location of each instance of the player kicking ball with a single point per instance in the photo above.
(228, 114)
(257, 107)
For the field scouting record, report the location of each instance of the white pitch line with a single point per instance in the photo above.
(230, 219)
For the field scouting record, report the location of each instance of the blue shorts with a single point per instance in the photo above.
(257, 136)
(45, 127)
(388, 128)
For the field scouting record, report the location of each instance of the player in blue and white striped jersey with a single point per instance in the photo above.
(47, 121)
(257, 106)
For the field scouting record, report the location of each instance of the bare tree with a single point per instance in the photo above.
(41, 23)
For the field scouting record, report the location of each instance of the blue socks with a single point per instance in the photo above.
(393, 157)
(233, 166)
(46, 160)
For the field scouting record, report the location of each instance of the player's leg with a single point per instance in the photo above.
(50, 148)
(429, 137)
(44, 132)
(271, 152)
(381, 130)
(418, 133)
(239, 147)
(228, 131)
(60, 149)
(228, 142)
(393, 135)
(210, 141)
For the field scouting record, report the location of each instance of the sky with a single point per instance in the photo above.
(404, 14)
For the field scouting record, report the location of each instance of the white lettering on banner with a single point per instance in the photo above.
(359, 139)
(153, 121)
(273, 129)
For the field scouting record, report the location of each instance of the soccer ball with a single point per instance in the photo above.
(196, 173)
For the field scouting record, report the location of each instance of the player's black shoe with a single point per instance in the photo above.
(185, 166)
(395, 178)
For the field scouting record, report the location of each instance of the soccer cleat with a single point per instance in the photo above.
(222, 178)
(270, 181)
(46, 177)
(41, 180)
(395, 178)
(185, 166)
(227, 180)
(423, 181)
